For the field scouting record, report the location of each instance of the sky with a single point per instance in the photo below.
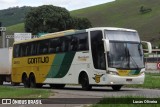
(68, 4)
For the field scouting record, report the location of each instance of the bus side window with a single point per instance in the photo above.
(74, 43)
(43, 46)
(23, 50)
(98, 50)
(52, 45)
(83, 42)
(16, 51)
(34, 48)
(58, 45)
(28, 49)
(65, 43)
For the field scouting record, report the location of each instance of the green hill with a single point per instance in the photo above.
(120, 13)
(125, 13)
(19, 28)
(12, 16)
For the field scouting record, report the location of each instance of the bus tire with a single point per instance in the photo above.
(85, 82)
(39, 85)
(15, 84)
(116, 87)
(1, 81)
(32, 81)
(57, 86)
(25, 81)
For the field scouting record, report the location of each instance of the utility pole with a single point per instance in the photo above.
(3, 33)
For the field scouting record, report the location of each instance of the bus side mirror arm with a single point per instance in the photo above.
(148, 45)
(106, 45)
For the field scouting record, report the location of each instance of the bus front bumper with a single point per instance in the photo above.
(122, 80)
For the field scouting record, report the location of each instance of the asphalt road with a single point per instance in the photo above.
(71, 91)
(98, 92)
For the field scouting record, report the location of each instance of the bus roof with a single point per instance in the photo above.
(70, 32)
(111, 28)
(53, 35)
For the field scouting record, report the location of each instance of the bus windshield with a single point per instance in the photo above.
(125, 50)
(125, 55)
(117, 35)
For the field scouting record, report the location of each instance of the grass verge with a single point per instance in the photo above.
(151, 82)
(127, 101)
(13, 92)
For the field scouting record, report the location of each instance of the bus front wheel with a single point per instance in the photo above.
(116, 87)
(85, 82)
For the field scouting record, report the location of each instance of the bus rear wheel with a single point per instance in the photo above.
(116, 87)
(32, 81)
(15, 84)
(39, 85)
(85, 82)
(1, 81)
(25, 81)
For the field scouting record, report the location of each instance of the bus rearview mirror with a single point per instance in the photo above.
(149, 46)
(106, 45)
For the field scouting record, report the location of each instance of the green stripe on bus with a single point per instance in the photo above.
(61, 65)
(56, 64)
(134, 72)
(66, 64)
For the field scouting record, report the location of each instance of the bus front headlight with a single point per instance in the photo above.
(113, 73)
(142, 73)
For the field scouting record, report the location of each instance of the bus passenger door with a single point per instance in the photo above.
(97, 48)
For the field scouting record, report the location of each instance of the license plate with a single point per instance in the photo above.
(129, 80)
(123, 72)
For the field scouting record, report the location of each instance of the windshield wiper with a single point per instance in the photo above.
(127, 54)
(134, 62)
(132, 59)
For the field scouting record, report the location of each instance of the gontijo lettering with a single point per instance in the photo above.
(38, 60)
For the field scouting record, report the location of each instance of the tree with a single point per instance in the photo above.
(49, 18)
(80, 23)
